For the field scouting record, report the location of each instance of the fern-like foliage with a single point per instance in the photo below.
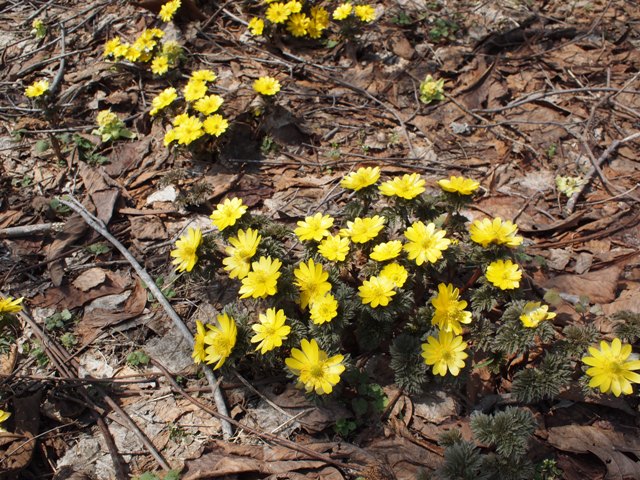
(513, 337)
(507, 468)
(482, 333)
(577, 339)
(483, 299)
(407, 363)
(545, 381)
(463, 461)
(628, 326)
(508, 431)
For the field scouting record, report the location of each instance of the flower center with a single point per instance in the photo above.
(316, 371)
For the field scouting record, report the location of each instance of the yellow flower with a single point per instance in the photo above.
(407, 186)
(203, 76)
(169, 136)
(294, 6)
(226, 213)
(431, 90)
(320, 15)
(361, 178)
(132, 54)
(459, 185)
(163, 100)
(106, 118)
(145, 43)
(386, 251)
(266, 85)
(534, 313)
(256, 26)
(315, 370)
(39, 29)
(396, 273)
(168, 10)
(180, 119)
(361, 230)
(199, 354)
(495, 231)
(377, 291)
(323, 309)
(277, 12)
(297, 24)
(314, 228)
(505, 275)
(342, 11)
(37, 88)
(160, 65)
(425, 243)
(365, 13)
(171, 49)
(121, 50)
(271, 330)
(445, 353)
(311, 279)
(194, 90)
(185, 253)
(3, 418)
(610, 370)
(334, 248)
(189, 130)
(314, 29)
(220, 340)
(449, 310)
(262, 280)
(10, 305)
(569, 185)
(215, 125)
(243, 248)
(111, 46)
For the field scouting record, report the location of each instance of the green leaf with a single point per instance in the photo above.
(42, 146)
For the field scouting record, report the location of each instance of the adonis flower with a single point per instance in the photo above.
(256, 26)
(323, 309)
(342, 11)
(386, 251)
(314, 228)
(534, 313)
(449, 310)
(407, 186)
(185, 253)
(266, 86)
(277, 13)
(445, 353)
(10, 305)
(209, 104)
(297, 24)
(361, 178)
(194, 90)
(311, 279)
(243, 248)
(271, 330)
(365, 13)
(199, 354)
(220, 340)
(202, 76)
(505, 275)
(262, 280)
(227, 213)
(334, 248)
(361, 230)
(486, 232)
(425, 242)
(215, 125)
(459, 185)
(3, 418)
(315, 370)
(160, 65)
(396, 273)
(431, 90)
(37, 88)
(163, 100)
(168, 10)
(189, 130)
(377, 291)
(611, 369)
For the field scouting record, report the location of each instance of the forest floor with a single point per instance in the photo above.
(534, 90)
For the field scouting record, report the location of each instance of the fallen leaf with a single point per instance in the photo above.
(599, 285)
(628, 300)
(609, 443)
(89, 279)
(73, 229)
(26, 421)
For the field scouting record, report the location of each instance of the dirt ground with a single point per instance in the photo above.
(534, 90)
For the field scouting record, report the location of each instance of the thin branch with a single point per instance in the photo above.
(100, 227)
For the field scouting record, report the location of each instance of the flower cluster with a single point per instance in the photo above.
(301, 19)
(431, 90)
(147, 48)
(387, 270)
(199, 117)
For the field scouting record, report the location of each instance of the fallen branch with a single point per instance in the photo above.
(28, 230)
(101, 228)
(571, 204)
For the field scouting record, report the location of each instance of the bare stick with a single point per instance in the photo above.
(28, 230)
(101, 228)
(571, 204)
